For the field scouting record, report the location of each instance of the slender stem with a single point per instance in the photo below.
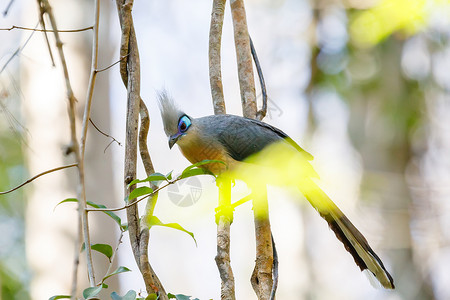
(37, 176)
(92, 77)
(46, 30)
(105, 134)
(260, 114)
(111, 261)
(137, 200)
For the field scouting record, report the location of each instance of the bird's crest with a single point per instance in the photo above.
(170, 113)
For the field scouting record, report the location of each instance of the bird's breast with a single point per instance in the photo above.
(196, 149)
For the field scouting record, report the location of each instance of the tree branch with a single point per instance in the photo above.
(130, 73)
(215, 40)
(225, 217)
(244, 58)
(146, 269)
(262, 275)
(36, 177)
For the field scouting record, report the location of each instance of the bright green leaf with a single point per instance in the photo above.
(195, 172)
(140, 191)
(152, 296)
(59, 297)
(109, 213)
(201, 163)
(120, 269)
(152, 177)
(180, 297)
(169, 175)
(92, 291)
(65, 201)
(103, 248)
(95, 205)
(154, 221)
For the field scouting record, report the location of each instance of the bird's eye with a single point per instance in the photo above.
(184, 123)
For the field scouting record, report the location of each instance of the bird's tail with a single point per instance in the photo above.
(354, 242)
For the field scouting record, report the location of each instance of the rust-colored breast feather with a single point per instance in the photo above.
(196, 147)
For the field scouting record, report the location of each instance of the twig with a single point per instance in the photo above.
(111, 261)
(260, 114)
(81, 193)
(112, 65)
(46, 30)
(37, 176)
(5, 12)
(105, 134)
(137, 200)
(92, 77)
(41, 20)
(18, 50)
(215, 40)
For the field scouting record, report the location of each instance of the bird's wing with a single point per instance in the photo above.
(243, 137)
(283, 135)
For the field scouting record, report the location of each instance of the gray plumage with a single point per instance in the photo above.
(243, 137)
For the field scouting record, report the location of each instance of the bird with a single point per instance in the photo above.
(249, 149)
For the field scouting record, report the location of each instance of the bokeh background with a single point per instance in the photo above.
(362, 85)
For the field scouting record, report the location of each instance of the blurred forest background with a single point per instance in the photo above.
(364, 85)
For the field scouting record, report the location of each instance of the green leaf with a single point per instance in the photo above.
(65, 201)
(152, 296)
(152, 177)
(119, 270)
(195, 172)
(154, 221)
(140, 191)
(59, 297)
(93, 291)
(169, 175)
(103, 248)
(201, 163)
(130, 295)
(95, 205)
(109, 213)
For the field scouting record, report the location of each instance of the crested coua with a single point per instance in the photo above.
(252, 149)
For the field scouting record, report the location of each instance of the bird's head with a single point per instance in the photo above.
(176, 123)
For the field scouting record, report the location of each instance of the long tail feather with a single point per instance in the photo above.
(354, 242)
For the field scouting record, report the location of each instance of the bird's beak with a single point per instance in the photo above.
(173, 139)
